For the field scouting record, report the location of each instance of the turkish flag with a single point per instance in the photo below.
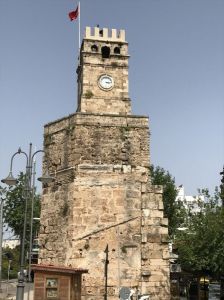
(74, 14)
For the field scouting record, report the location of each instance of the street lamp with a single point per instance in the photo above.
(1, 237)
(222, 187)
(10, 180)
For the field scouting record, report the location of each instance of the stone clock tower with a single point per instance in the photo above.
(102, 213)
(103, 73)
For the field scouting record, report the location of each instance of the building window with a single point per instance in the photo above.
(94, 48)
(117, 50)
(105, 52)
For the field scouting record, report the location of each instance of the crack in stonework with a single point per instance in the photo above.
(105, 228)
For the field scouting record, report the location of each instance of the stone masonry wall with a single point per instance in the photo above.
(103, 196)
(96, 139)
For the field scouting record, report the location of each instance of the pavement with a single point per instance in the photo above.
(8, 290)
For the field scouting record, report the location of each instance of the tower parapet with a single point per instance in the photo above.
(105, 34)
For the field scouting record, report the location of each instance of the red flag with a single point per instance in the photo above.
(74, 14)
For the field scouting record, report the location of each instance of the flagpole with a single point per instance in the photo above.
(79, 25)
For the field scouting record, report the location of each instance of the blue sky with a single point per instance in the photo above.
(176, 76)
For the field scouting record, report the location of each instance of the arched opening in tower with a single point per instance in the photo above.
(117, 50)
(105, 51)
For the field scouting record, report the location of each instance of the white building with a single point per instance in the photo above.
(11, 243)
(190, 202)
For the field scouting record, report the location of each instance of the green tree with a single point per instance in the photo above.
(14, 209)
(13, 255)
(173, 210)
(222, 187)
(201, 246)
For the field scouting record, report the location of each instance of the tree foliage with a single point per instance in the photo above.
(201, 246)
(173, 210)
(14, 208)
(13, 255)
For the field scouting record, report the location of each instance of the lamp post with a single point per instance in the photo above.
(9, 256)
(1, 238)
(222, 187)
(10, 180)
(31, 220)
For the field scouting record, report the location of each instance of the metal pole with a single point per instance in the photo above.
(10, 180)
(79, 12)
(21, 285)
(204, 289)
(1, 235)
(106, 272)
(9, 266)
(222, 187)
(31, 221)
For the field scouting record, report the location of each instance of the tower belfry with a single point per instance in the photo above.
(102, 197)
(103, 73)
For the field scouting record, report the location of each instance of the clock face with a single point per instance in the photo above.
(106, 82)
